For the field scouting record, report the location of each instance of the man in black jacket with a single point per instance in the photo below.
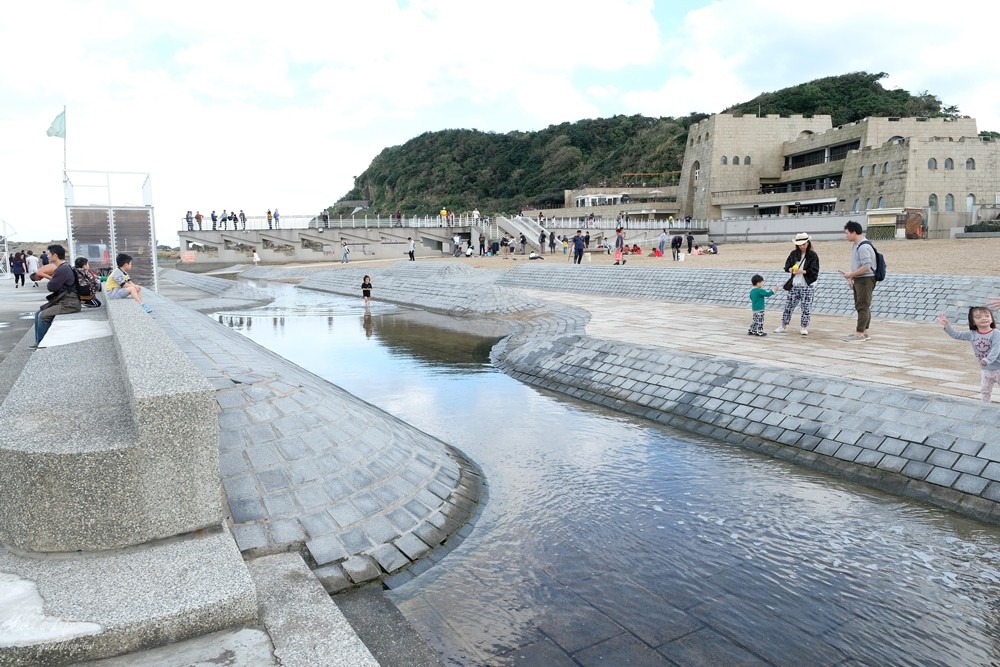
(62, 296)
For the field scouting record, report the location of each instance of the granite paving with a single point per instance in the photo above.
(310, 468)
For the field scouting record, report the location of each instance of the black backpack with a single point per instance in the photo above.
(879, 267)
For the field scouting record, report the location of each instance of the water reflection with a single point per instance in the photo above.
(604, 531)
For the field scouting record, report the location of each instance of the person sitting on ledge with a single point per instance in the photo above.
(120, 286)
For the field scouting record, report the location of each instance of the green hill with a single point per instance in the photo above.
(466, 169)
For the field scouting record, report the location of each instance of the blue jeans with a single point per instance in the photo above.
(41, 326)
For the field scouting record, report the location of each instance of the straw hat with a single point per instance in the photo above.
(802, 239)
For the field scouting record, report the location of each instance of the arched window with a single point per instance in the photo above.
(949, 202)
(725, 160)
(861, 172)
(857, 205)
(874, 169)
(746, 160)
(736, 160)
(932, 164)
(881, 202)
(970, 164)
(707, 134)
(885, 168)
(970, 202)
(949, 163)
(932, 203)
(868, 203)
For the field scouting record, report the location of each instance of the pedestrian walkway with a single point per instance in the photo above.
(915, 355)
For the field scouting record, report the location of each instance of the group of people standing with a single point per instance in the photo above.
(24, 263)
(238, 219)
(802, 265)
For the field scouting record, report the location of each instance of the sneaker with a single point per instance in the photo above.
(868, 337)
(780, 329)
(804, 331)
(758, 333)
(854, 338)
(146, 307)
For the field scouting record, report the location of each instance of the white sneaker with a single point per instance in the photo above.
(780, 329)
(804, 331)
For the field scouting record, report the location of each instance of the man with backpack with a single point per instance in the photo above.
(861, 278)
(62, 296)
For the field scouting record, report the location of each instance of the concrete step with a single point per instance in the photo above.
(306, 627)
(60, 610)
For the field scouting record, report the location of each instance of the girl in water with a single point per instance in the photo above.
(366, 289)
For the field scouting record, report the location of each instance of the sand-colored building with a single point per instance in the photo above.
(749, 166)
(746, 165)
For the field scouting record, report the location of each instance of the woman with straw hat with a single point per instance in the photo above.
(803, 265)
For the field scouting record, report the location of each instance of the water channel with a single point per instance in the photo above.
(606, 538)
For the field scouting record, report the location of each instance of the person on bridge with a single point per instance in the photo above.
(270, 219)
(276, 219)
(198, 217)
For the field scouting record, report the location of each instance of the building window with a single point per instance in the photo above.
(746, 160)
(881, 202)
(885, 168)
(857, 205)
(949, 202)
(932, 164)
(861, 173)
(970, 164)
(874, 169)
(736, 160)
(949, 163)
(868, 203)
(725, 160)
(932, 203)
(970, 203)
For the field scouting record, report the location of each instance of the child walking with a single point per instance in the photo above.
(985, 341)
(757, 296)
(366, 289)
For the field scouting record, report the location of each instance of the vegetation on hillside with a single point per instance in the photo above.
(466, 169)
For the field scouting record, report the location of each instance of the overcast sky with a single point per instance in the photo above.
(258, 105)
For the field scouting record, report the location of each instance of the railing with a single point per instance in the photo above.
(784, 188)
(259, 222)
(487, 225)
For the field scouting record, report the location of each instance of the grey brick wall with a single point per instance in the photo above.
(934, 448)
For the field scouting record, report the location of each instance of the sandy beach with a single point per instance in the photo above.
(974, 257)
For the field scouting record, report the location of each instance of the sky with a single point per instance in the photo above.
(256, 105)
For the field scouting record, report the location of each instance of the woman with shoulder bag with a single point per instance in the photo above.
(803, 264)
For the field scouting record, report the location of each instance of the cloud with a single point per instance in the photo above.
(248, 105)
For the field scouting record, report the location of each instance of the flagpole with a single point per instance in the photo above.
(64, 143)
